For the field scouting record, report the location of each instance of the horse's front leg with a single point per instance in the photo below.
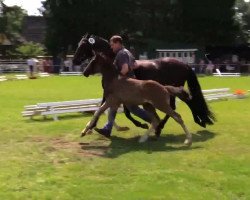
(166, 118)
(152, 129)
(154, 122)
(91, 124)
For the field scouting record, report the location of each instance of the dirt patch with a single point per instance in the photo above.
(98, 148)
(37, 139)
(61, 143)
(86, 149)
(94, 149)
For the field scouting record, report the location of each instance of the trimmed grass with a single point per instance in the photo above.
(46, 159)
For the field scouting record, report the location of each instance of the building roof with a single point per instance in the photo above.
(176, 50)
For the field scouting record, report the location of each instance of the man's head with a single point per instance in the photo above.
(116, 43)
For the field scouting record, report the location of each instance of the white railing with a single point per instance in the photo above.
(11, 66)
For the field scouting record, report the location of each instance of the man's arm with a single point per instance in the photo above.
(122, 61)
(125, 69)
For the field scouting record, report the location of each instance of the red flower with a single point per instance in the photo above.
(239, 92)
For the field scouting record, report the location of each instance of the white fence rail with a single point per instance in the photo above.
(13, 66)
(63, 107)
(55, 108)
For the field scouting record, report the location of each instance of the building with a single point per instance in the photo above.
(34, 29)
(5, 44)
(184, 55)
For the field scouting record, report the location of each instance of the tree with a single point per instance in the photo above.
(148, 23)
(209, 22)
(68, 20)
(242, 17)
(11, 21)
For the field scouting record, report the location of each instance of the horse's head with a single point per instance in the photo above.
(89, 45)
(84, 50)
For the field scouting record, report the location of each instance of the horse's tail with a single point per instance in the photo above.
(198, 105)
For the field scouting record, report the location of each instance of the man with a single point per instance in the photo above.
(32, 64)
(124, 61)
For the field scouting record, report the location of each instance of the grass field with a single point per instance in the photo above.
(46, 159)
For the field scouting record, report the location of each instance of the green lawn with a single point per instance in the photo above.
(46, 159)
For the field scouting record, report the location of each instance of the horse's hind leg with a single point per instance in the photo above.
(135, 122)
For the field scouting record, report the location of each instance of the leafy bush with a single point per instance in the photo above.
(30, 49)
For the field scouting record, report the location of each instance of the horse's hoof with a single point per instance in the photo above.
(83, 134)
(203, 124)
(144, 126)
(84, 131)
(122, 128)
(188, 142)
(143, 139)
(155, 138)
(157, 134)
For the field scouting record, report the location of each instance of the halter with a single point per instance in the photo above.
(91, 40)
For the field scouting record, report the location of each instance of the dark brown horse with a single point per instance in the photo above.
(163, 70)
(130, 91)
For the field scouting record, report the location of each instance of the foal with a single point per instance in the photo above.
(130, 91)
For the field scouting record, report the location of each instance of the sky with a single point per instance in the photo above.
(30, 5)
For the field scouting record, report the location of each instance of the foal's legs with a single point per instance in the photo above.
(154, 123)
(161, 125)
(121, 128)
(166, 118)
(91, 124)
(178, 119)
(145, 137)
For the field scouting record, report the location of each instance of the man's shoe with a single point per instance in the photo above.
(105, 132)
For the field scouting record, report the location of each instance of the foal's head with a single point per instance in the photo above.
(99, 64)
(94, 65)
